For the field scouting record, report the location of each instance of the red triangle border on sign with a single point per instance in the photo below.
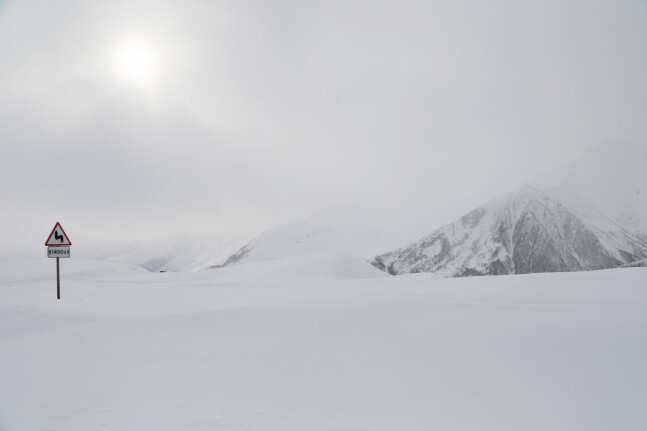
(58, 224)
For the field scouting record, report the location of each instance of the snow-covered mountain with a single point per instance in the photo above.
(187, 254)
(638, 264)
(333, 243)
(525, 232)
(612, 177)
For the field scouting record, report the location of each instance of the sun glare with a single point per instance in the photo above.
(137, 63)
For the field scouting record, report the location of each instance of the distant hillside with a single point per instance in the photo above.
(331, 233)
(328, 245)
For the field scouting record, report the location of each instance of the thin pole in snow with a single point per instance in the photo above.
(58, 279)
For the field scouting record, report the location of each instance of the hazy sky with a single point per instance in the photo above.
(147, 119)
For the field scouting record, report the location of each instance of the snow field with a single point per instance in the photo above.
(249, 348)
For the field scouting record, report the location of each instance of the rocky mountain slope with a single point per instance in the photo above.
(525, 232)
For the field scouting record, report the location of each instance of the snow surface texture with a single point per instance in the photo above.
(528, 231)
(237, 350)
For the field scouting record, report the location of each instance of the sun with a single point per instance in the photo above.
(137, 63)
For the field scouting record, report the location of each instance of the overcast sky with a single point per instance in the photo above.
(245, 114)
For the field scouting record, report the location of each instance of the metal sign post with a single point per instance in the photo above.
(58, 278)
(58, 246)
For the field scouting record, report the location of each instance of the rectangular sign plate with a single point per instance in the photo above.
(63, 251)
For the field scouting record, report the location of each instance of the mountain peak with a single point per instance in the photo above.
(525, 231)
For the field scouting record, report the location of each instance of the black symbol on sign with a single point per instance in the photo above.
(58, 237)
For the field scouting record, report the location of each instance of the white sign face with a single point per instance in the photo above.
(63, 251)
(58, 237)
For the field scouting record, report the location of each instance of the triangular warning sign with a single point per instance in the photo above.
(57, 237)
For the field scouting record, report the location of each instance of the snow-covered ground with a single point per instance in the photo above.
(332, 346)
